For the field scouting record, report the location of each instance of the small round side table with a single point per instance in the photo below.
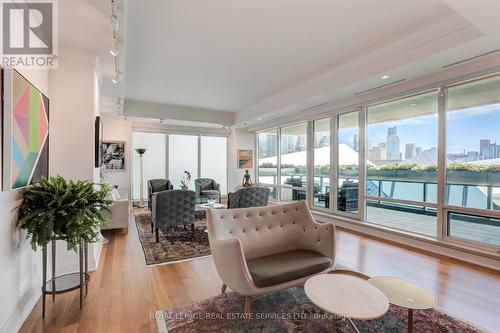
(346, 296)
(405, 294)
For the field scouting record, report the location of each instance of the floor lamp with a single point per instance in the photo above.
(141, 152)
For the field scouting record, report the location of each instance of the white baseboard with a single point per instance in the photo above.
(18, 317)
(28, 301)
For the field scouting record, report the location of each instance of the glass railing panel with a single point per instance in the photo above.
(411, 218)
(474, 228)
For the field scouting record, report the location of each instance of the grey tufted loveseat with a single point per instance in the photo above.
(264, 249)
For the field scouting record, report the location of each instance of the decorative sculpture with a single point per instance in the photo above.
(247, 180)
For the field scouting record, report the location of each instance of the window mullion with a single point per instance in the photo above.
(362, 164)
(334, 162)
(441, 224)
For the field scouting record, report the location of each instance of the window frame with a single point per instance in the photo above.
(442, 209)
(169, 132)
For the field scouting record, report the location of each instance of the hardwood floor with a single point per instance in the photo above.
(124, 292)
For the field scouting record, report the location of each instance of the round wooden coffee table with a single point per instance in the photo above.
(405, 294)
(346, 296)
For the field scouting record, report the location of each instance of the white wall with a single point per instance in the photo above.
(72, 108)
(71, 153)
(118, 129)
(240, 139)
(21, 268)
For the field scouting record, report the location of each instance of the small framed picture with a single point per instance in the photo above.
(113, 155)
(245, 159)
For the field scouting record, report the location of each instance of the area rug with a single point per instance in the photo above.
(176, 244)
(291, 311)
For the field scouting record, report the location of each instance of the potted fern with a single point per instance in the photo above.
(70, 210)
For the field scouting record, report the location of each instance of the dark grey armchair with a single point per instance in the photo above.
(173, 208)
(207, 188)
(157, 185)
(248, 197)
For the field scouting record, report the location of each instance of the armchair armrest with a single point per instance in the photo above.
(197, 188)
(154, 202)
(231, 264)
(231, 197)
(327, 245)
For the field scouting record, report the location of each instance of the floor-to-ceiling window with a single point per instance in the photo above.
(348, 163)
(182, 156)
(154, 160)
(427, 164)
(321, 189)
(169, 155)
(401, 158)
(473, 161)
(293, 162)
(213, 160)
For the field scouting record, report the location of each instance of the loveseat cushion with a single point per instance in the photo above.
(286, 266)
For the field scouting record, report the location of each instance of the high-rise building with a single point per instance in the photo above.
(483, 143)
(489, 152)
(472, 155)
(268, 145)
(378, 153)
(393, 144)
(410, 150)
(355, 145)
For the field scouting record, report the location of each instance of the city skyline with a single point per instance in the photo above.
(422, 133)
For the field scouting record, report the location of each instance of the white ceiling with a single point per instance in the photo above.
(272, 59)
(228, 55)
(84, 25)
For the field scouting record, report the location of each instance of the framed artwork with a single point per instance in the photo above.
(25, 132)
(113, 155)
(245, 159)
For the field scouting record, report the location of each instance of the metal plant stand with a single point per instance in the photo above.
(67, 282)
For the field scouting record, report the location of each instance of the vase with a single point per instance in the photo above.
(184, 188)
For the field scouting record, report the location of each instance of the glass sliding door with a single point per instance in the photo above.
(348, 163)
(402, 155)
(473, 160)
(214, 160)
(182, 156)
(293, 162)
(154, 160)
(321, 186)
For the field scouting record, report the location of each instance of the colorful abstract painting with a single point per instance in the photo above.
(244, 159)
(29, 133)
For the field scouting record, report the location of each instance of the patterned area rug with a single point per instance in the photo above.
(175, 245)
(291, 311)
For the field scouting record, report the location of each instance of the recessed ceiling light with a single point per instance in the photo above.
(259, 118)
(384, 77)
